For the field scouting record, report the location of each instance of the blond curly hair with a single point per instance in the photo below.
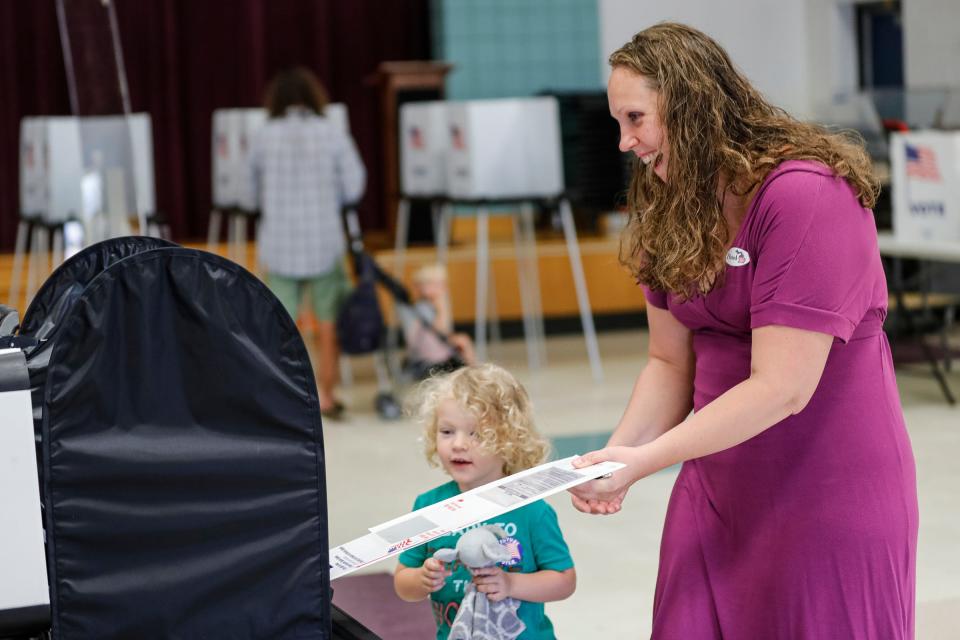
(501, 406)
(717, 125)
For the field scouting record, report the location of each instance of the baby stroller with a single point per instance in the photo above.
(361, 329)
(166, 403)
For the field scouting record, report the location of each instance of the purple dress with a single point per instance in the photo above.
(809, 529)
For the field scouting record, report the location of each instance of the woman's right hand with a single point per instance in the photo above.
(433, 574)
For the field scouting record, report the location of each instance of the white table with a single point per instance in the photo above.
(932, 251)
(924, 252)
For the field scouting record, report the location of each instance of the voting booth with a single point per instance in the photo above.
(60, 156)
(481, 149)
(925, 176)
(500, 149)
(482, 154)
(51, 168)
(233, 131)
(181, 458)
(504, 148)
(81, 181)
(119, 150)
(423, 149)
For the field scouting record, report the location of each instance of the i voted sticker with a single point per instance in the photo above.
(737, 257)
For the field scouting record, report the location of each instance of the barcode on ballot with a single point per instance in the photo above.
(530, 486)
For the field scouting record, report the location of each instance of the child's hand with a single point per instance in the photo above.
(494, 582)
(433, 574)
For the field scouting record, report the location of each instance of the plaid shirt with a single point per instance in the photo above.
(303, 169)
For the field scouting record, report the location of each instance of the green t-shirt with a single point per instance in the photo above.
(541, 546)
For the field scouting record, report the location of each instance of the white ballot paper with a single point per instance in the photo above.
(459, 512)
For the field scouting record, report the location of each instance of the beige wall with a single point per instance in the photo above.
(931, 42)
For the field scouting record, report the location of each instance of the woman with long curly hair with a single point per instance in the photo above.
(794, 514)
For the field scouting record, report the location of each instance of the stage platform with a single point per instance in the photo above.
(610, 287)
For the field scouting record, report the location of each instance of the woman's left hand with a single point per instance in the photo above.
(492, 581)
(605, 496)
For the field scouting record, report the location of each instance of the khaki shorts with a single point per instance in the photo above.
(327, 292)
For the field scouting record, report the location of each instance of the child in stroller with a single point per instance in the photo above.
(427, 323)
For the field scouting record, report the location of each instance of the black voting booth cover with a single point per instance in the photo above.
(182, 454)
(55, 298)
(58, 293)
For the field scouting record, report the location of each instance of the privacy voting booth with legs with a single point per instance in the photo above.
(165, 402)
(81, 181)
(925, 172)
(477, 155)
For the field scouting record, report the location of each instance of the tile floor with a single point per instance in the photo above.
(375, 469)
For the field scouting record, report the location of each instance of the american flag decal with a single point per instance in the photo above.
(416, 138)
(515, 548)
(922, 163)
(456, 137)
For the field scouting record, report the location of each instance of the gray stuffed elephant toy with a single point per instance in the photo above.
(478, 618)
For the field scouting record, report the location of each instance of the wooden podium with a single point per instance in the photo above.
(399, 82)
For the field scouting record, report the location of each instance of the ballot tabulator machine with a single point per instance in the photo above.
(165, 402)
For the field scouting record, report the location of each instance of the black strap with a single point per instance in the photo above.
(18, 342)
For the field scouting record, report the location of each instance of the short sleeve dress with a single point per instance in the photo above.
(809, 529)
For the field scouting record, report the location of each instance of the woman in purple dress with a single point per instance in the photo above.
(795, 512)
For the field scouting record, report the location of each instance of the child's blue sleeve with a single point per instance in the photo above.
(416, 556)
(549, 548)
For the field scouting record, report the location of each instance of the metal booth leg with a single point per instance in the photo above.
(57, 255)
(241, 239)
(493, 315)
(580, 283)
(400, 242)
(39, 261)
(442, 222)
(213, 230)
(20, 252)
(526, 219)
(399, 263)
(482, 275)
(529, 289)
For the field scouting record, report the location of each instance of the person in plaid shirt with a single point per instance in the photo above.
(304, 168)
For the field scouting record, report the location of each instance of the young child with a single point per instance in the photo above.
(427, 351)
(478, 424)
